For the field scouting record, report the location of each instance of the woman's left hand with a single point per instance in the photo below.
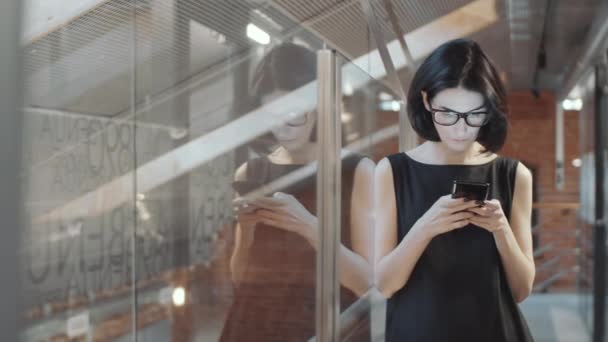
(490, 217)
(284, 211)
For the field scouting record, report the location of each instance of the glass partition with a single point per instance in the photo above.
(171, 173)
(370, 123)
(226, 191)
(587, 208)
(79, 156)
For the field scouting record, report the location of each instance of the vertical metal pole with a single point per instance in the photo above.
(133, 98)
(328, 194)
(11, 205)
(599, 228)
(559, 147)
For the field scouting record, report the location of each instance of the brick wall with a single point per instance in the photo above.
(531, 139)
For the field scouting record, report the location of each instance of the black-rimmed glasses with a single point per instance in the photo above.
(449, 117)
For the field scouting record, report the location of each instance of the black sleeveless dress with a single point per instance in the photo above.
(275, 300)
(458, 289)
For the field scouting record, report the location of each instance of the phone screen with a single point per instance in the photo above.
(245, 187)
(470, 190)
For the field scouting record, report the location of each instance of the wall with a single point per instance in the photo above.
(531, 139)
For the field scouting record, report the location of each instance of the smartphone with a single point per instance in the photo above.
(241, 205)
(471, 190)
(245, 187)
(246, 201)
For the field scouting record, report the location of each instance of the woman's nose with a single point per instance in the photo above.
(461, 126)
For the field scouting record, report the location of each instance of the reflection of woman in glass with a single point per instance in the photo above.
(273, 262)
(454, 269)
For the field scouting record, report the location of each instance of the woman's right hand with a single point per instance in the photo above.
(445, 215)
(247, 220)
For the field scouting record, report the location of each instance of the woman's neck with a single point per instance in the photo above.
(303, 155)
(441, 154)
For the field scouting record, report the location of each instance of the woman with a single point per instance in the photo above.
(452, 269)
(273, 262)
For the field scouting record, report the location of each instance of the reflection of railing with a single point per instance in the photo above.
(552, 265)
(554, 268)
(360, 315)
(544, 285)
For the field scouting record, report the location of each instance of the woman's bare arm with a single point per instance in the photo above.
(355, 265)
(243, 238)
(394, 262)
(514, 243)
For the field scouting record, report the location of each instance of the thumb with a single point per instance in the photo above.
(280, 195)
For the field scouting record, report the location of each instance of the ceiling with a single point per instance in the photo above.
(84, 65)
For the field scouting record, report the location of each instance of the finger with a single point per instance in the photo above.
(246, 213)
(491, 213)
(483, 219)
(477, 222)
(449, 202)
(245, 210)
(272, 222)
(458, 224)
(464, 206)
(463, 215)
(264, 213)
(487, 224)
(493, 204)
(249, 223)
(481, 211)
(281, 195)
(270, 202)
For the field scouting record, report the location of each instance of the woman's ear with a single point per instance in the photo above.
(425, 100)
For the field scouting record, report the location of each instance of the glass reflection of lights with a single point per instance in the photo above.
(179, 296)
(257, 34)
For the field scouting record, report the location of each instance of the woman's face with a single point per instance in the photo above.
(460, 136)
(291, 131)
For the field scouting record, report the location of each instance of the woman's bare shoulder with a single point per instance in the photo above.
(241, 172)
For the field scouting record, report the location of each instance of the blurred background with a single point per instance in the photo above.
(126, 122)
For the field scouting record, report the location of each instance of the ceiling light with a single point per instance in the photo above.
(348, 89)
(257, 34)
(572, 104)
(384, 96)
(390, 105)
(346, 117)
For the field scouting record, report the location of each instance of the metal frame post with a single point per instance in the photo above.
(599, 226)
(329, 133)
(11, 129)
(559, 147)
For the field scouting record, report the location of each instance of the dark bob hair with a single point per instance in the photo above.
(459, 62)
(285, 67)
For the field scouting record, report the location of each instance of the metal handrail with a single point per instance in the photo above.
(546, 265)
(543, 286)
(356, 313)
(541, 250)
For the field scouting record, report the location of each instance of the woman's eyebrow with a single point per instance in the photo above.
(472, 110)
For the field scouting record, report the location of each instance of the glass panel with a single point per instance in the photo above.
(226, 182)
(78, 145)
(370, 130)
(586, 215)
(164, 174)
